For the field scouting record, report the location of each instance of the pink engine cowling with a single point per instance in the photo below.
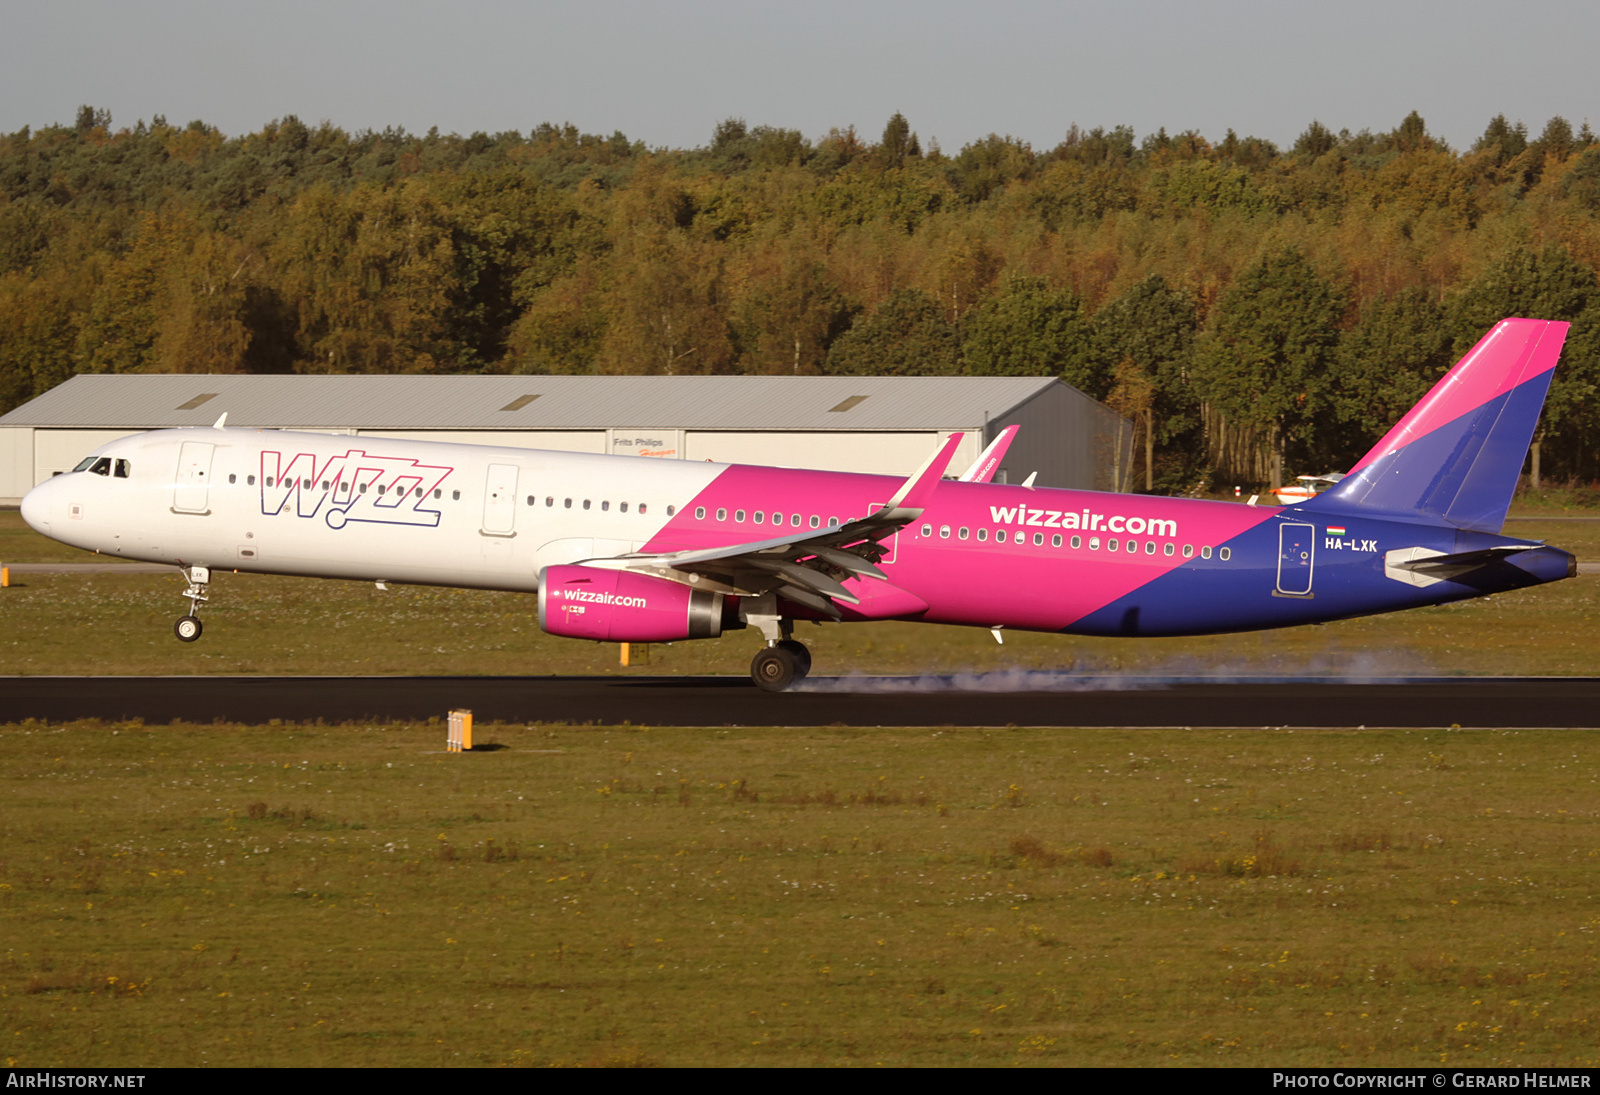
(582, 602)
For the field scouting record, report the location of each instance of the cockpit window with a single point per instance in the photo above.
(122, 469)
(85, 464)
(102, 466)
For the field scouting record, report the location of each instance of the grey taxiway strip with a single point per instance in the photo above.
(1027, 700)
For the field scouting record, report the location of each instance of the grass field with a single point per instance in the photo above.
(350, 895)
(256, 624)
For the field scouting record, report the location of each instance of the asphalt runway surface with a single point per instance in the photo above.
(1019, 699)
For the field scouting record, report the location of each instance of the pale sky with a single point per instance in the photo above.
(667, 72)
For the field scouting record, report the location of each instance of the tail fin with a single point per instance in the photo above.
(1457, 454)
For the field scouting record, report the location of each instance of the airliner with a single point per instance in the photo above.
(621, 549)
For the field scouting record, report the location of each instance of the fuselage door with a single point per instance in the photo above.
(1296, 554)
(500, 501)
(194, 475)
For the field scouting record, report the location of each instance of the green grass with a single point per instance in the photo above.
(255, 624)
(350, 895)
(20, 544)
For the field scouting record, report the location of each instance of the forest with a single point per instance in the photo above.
(1257, 312)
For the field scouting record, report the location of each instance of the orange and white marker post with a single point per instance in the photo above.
(460, 739)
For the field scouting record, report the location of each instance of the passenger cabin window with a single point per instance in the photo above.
(455, 495)
(232, 478)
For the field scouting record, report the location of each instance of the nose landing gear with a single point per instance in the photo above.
(188, 628)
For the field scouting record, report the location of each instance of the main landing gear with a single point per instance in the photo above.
(783, 661)
(188, 627)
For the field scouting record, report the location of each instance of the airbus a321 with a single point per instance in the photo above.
(620, 549)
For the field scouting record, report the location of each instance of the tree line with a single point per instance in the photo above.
(1256, 311)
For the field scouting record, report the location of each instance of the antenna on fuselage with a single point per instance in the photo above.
(218, 424)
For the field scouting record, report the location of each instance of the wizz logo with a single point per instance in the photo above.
(391, 490)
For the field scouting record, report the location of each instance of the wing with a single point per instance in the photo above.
(988, 461)
(807, 567)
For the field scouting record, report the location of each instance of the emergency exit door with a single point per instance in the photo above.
(500, 500)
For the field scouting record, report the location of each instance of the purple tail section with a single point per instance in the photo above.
(1456, 457)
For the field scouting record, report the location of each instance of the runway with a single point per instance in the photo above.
(1022, 699)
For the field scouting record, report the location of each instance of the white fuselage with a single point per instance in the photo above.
(361, 507)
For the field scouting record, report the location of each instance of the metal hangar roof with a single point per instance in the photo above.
(158, 401)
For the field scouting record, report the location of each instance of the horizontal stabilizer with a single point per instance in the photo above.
(1419, 566)
(1466, 558)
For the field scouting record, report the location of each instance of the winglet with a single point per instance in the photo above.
(912, 498)
(988, 462)
(219, 423)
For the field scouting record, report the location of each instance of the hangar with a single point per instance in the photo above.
(878, 424)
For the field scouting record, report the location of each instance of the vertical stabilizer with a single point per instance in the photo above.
(1457, 454)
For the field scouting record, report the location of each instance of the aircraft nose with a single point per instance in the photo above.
(36, 507)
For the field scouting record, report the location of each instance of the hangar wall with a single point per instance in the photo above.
(887, 425)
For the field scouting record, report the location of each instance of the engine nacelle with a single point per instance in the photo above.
(582, 602)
